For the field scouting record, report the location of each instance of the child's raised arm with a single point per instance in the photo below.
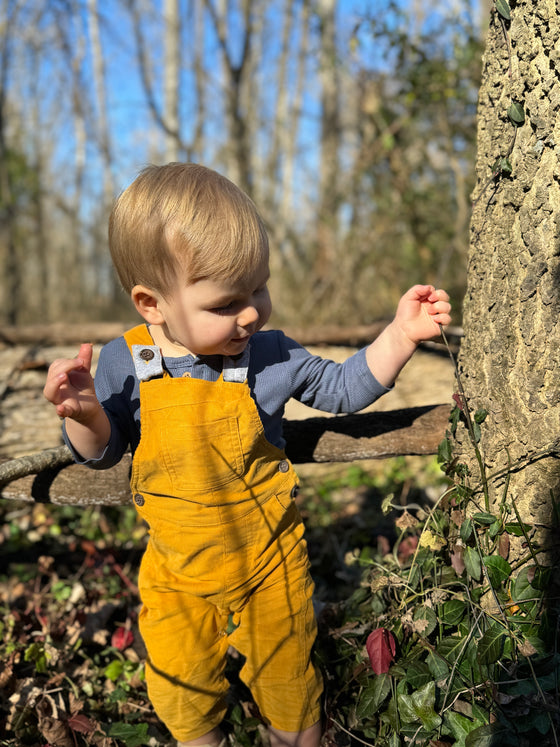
(420, 313)
(70, 388)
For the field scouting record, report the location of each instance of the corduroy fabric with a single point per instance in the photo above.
(226, 563)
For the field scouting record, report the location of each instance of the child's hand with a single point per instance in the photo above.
(421, 311)
(70, 386)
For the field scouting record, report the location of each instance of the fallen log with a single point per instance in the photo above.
(50, 476)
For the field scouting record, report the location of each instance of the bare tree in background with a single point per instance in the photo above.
(171, 73)
(344, 133)
(328, 232)
(235, 59)
(11, 276)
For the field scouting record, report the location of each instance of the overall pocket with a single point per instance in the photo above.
(205, 455)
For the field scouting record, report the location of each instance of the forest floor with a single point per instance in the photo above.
(71, 658)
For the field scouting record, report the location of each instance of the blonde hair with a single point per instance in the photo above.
(181, 223)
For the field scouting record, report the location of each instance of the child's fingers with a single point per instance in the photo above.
(64, 411)
(55, 380)
(420, 292)
(438, 295)
(58, 376)
(439, 307)
(440, 313)
(85, 355)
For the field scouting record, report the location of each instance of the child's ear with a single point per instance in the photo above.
(147, 303)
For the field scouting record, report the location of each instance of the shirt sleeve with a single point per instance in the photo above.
(333, 387)
(116, 387)
(285, 369)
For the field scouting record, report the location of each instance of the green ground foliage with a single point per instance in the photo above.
(427, 634)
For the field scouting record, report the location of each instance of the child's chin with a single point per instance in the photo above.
(236, 346)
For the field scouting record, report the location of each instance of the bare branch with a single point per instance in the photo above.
(375, 435)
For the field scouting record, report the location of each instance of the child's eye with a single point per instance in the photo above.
(223, 309)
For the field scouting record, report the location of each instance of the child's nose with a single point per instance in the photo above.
(248, 316)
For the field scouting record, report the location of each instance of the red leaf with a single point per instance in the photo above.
(122, 638)
(79, 722)
(381, 647)
(458, 401)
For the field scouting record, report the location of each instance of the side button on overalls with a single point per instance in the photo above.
(226, 544)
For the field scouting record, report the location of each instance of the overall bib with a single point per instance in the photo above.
(226, 545)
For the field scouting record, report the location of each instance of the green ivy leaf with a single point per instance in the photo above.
(454, 419)
(480, 416)
(502, 6)
(491, 645)
(517, 529)
(516, 113)
(488, 735)
(499, 570)
(460, 726)
(445, 451)
(450, 648)
(452, 611)
(472, 562)
(418, 674)
(420, 707)
(521, 587)
(505, 165)
(373, 696)
(476, 432)
(437, 666)
(133, 735)
(466, 530)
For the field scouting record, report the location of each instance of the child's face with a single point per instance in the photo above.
(211, 317)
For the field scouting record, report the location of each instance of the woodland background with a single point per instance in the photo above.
(351, 123)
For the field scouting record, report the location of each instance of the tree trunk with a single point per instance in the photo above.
(509, 359)
(11, 281)
(171, 75)
(324, 271)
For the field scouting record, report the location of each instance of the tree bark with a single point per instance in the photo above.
(509, 360)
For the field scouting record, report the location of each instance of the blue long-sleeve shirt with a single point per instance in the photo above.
(279, 369)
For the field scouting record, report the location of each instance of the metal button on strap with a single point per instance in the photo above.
(147, 354)
(139, 499)
(295, 491)
(283, 466)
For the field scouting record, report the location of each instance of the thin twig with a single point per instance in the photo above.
(470, 426)
(351, 734)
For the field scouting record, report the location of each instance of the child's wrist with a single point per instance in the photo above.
(94, 419)
(402, 338)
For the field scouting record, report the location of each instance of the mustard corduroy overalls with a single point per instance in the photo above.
(226, 545)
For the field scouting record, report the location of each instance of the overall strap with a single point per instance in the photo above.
(146, 356)
(148, 361)
(235, 369)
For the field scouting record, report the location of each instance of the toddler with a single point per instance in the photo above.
(198, 392)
